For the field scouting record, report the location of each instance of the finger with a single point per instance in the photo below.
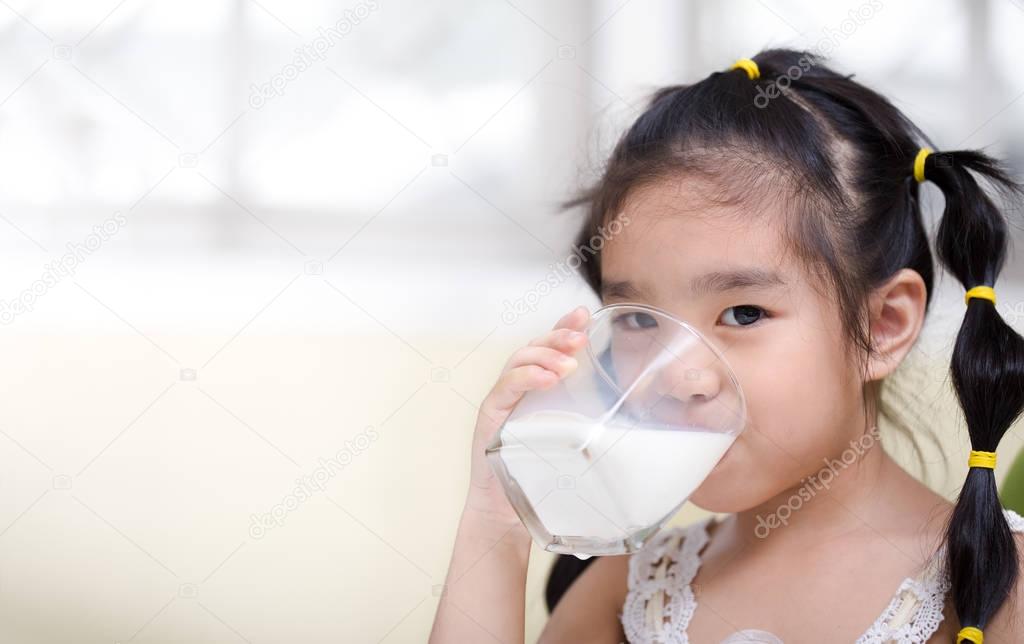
(566, 340)
(574, 319)
(551, 359)
(514, 383)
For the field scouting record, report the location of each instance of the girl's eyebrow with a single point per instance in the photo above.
(715, 281)
(744, 278)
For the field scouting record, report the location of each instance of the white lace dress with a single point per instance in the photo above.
(660, 602)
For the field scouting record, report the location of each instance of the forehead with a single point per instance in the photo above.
(674, 227)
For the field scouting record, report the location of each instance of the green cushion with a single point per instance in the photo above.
(1012, 492)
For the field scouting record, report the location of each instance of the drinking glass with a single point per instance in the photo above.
(601, 461)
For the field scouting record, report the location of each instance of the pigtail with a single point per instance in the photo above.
(987, 370)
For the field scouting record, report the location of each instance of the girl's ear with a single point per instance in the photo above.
(896, 310)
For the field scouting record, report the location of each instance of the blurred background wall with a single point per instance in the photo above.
(251, 247)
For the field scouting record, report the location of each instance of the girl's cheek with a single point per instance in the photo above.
(790, 412)
(792, 381)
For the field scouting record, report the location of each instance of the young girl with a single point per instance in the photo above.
(793, 193)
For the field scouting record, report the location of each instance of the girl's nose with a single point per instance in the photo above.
(688, 383)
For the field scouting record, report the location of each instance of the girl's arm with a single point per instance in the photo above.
(484, 595)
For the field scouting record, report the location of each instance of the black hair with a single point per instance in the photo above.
(841, 157)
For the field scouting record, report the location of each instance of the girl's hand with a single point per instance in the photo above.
(538, 365)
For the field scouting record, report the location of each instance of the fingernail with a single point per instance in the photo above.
(575, 335)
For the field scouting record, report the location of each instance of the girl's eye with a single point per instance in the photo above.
(743, 315)
(636, 321)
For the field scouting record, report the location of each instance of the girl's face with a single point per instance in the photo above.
(728, 277)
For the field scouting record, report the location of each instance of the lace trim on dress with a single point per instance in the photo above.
(660, 602)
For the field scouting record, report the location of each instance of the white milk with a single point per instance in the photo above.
(627, 478)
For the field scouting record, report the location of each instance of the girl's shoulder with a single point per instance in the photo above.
(1015, 520)
(589, 609)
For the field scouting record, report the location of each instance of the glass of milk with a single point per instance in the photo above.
(600, 462)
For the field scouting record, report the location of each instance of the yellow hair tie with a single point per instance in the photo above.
(984, 292)
(922, 154)
(749, 66)
(982, 459)
(971, 633)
